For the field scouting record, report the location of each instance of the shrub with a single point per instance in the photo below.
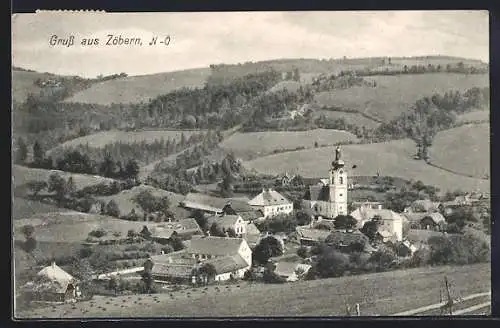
(302, 252)
(99, 233)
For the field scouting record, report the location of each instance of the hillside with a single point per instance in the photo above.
(21, 175)
(134, 89)
(24, 208)
(256, 144)
(394, 158)
(465, 149)
(101, 139)
(474, 116)
(23, 84)
(394, 94)
(383, 293)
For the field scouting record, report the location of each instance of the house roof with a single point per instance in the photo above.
(251, 215)
(172, 270)
(46, 285)
(364, 214)
(289, 268)
(225, 221)
(312, 234)
(252, 229)
(216, 246)
(318, 192)
(417, 217)
(252, 239)
(165, 230)
(385, 233)
(228, 263)
(54, 273)
(269, 197)
(214, 204)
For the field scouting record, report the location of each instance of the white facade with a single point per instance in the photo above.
(273, 210)
(394, 226)
(271, 203)
(338, 191)
(238, 274)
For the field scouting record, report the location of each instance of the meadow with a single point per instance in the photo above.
(474, 116)
(464, 149)
(24, 208)
(101, 139)
(350, 118)
(21, 175)
(382, 293)
(394, 158)
(395, 94)
(23, 84)
(256, 144)
(136, 89)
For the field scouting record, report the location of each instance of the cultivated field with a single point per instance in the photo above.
(394, 158)
(395, 94)
(474, 116)
(134, 89)
(21, 175)
(24, 208)
(465, 149)
(256, 144)
(124, 200)
(378, 294)
(101, 139)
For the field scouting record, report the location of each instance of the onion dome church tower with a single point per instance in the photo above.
(338, 185)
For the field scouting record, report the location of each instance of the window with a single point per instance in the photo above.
(340, 195)
(341, 180)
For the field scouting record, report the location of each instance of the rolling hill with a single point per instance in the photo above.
(394, 158)
(256, 144)
(136, 89)
(465, 150)
(23, 84)
(24, 208)
(394, 94)
(474, 116)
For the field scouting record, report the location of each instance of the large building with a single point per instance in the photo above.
(328, 198)
(271, 203)
(390, 222)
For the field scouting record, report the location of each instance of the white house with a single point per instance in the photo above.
(271, 203)
(227, 222)
(389, 221)
(291, 271)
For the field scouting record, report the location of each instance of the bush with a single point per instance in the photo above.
(332, 263)
(458, 249)
(303, 252)
(99, 233)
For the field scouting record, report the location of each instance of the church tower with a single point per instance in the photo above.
(338, 186)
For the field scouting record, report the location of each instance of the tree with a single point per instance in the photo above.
(58, 185)
(267, 248)
(70, 186)
(22, 151)
(302, 218)
(132, 169)
(146, 201)
(200, 218)
(112, 209)
(302, 252)
(145, 233)
(132, 233)
(370, 229)
(176, 242)
(36, 186)
(207, 272)
(147, 277)
(38, 154)
(113, 284)
(82, 270)
(226, 186)
(108, 166)
(345, 222)
(163, 206)
(331, 263)
(322, 226)
(216, 230)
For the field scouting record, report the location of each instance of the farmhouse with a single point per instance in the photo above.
(388, 220)
(52, 284)
(371, 205)
(183, 228)
(213, 205)
(252, 235)
(328, 198)
(428, 221)
(230, 257)
(310, 236)
(227, 222)
(291, 271)
(271, 203)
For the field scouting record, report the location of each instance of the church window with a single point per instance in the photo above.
(340, 195)
(341, 180)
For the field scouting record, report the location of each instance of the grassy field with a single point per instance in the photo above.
(21, 175)
(134, 89)
(23, 84)
(378, 294)
(474, 116)
(465, 149)
(101, 139)
(393, 158)
(125, 202)
(290, 86)
(395, 94)
(255, 144)
(349, 118)
(24, 208)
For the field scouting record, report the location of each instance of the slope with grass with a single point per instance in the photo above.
(394, 158)
(23, 84)
(465, 150)
(101, 139)
(474, 116)
(255, 144)
(125, 202)
(23, 208)
(134, 89)
(382, 293)
(396, 94)
(21, 175)
(356, 119)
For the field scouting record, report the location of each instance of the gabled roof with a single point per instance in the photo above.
(166, 229)
(172, 270)
(216, 246)
(252, 229)
(54, 273)
(288, 268)
(364, 214)
(224, 221)
(312, 234)
(228, 263)
(318, 192)
(251, 215)
(269, 197)
(417, 217)
(214, 204)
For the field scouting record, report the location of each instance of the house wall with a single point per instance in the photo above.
(238, 274)
(240, 227)
(245, 252)
(273, 210)
(393, 226)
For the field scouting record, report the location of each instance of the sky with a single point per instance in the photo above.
(200, 39)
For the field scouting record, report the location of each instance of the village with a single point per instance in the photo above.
(231, 248)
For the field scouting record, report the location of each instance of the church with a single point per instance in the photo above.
(328, 198)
